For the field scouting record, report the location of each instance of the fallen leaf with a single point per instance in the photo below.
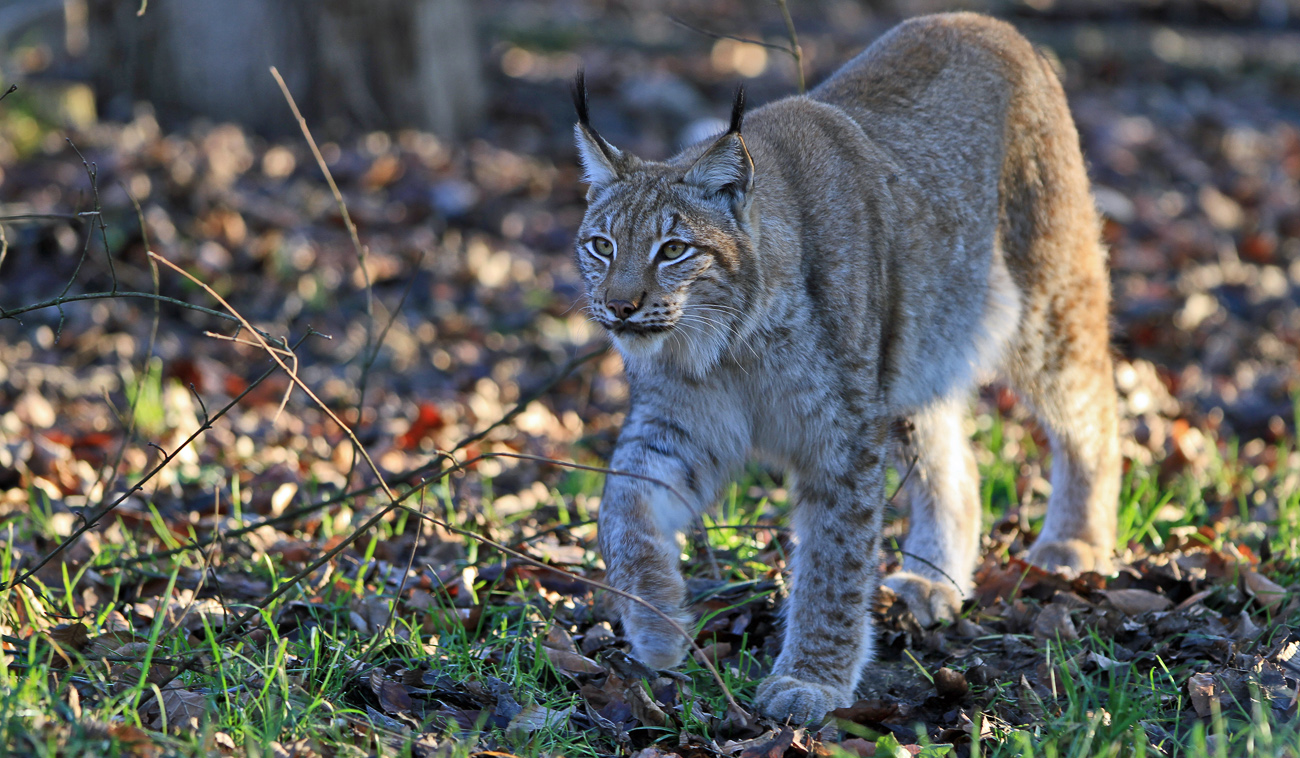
(1201, 689)
(534, 717)
(69, 636)
(867, 712)
(1054, 623)
(394, 698)
(572, 663)
(714, 652)
(773, 748)
(1135, 602)
(950, 684)
(559, 639)
(184, 708)
(1268, 593)
(644, 708)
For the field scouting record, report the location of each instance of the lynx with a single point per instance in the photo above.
(917, 224)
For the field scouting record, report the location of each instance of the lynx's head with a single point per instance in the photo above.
(666, 249)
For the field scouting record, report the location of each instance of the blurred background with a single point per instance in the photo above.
(448, 126)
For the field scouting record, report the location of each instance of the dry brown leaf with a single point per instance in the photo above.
(74, 702)
(184, 708)
(644, 708)
(1134, 602)
(1202, 691)
(1268, 593)
(1054, 623)
(773, 748)
(133, 740)
(394, 698)
(557, 638)
(867, 711)
(69, 636)
(714, 652)
(224, 742)
(534, 717)
(950, 684)
(572, 663)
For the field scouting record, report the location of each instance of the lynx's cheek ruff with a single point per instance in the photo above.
(831, 263)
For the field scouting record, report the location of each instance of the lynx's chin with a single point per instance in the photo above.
(639, 344)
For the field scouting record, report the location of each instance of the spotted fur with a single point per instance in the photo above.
(919, 222)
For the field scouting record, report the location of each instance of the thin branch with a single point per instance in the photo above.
(795, 49)
(356, 245)
(719, 35)
(12, 89)
(18, 217)
(374, 354)
(148, 357)
(59, 301)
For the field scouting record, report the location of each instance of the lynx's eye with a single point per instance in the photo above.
(602, 246)
(672, 250)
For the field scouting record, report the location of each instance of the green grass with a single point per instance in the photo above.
(304, 684)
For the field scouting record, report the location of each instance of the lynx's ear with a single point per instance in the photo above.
(600, 160)
(726, 168)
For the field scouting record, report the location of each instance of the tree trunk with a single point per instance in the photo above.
(365, 64)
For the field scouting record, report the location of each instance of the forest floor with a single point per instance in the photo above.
(208, 566)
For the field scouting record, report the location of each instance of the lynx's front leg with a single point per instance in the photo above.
(828, 633)
(640, 521)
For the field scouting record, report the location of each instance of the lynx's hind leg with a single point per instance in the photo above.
(1078, 408)
(1062, 369)
(1060, 360)
(944, 531)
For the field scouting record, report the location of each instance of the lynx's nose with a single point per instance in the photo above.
(622, 309)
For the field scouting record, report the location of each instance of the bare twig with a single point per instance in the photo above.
(21, 217)
(144, 368)
(795, 49)
(373, 354)
(719, 35)
(12, 89)
(58, 302)
(96, 216)
(368, 356)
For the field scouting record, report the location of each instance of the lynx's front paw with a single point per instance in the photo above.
(930, 601)
(785, 697)
(1071, 557)
(655, 642)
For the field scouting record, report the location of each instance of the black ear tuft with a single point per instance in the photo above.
(737, 110)
(580, 98)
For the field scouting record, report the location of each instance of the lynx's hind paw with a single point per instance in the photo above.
(1071, 557)
(785, 697)
(930, 600)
